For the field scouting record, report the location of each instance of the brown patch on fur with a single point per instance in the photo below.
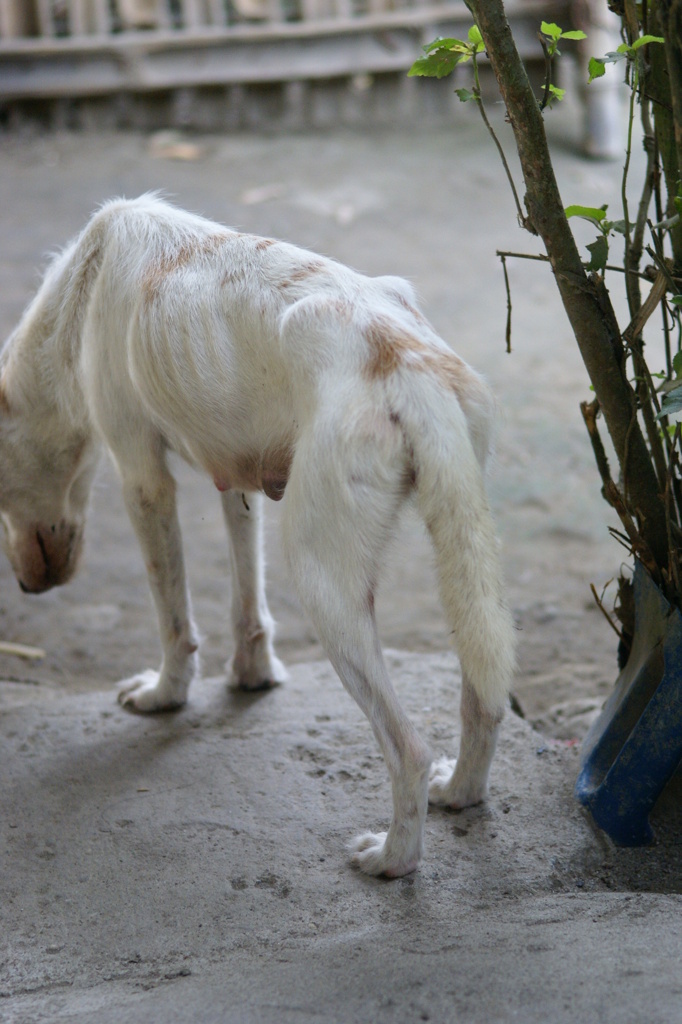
(391, 347)
(410, 308)
(313, 267)
(307, 270)
(199, 248)
(264, 243)
(451, 371)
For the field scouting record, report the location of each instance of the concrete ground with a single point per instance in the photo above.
(192, 867)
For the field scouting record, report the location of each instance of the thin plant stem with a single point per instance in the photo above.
(524, 256)
(630, 286)
(523, 220)
(546, 93)
(667, 339)
(647, 189)
(600, 605)
(508, 329)
(586, 302)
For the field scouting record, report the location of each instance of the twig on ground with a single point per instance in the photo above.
(21, 650)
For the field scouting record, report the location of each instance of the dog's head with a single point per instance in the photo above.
(45, 482)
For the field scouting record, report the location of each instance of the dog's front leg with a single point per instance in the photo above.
(152, 509)
(254, 665)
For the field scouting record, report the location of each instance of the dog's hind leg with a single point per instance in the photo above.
(449, 450)
(254, 665)
(150, 500)
(463, 782)
(343, 498)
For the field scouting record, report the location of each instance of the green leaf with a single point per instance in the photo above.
(596, 67)
(437, 65)
(676, 300)
(556, 92)
(677, 364)
(441, 43)
(460, 45)
(422, 68)
(592, 213)
(573, 34)
(608, 226)
(670, 385)
(672, 402)
(599, 253)
(465, 95)
(548, 28)
(475, 38)
(644, 40)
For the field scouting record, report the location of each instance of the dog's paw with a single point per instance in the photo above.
(371, 853)
(257, 673)
(440, 777)
(147, 694)
(447, 790)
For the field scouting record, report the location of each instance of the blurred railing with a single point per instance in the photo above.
(87, 48)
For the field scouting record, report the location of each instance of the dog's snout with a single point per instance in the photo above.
(43, 559)
(37, 586)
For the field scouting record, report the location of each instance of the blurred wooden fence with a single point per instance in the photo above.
(52, 49)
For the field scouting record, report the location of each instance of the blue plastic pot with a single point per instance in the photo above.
(635, 746)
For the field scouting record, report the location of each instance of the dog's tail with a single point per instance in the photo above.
(447, 420)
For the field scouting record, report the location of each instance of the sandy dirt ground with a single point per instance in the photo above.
(133, 887)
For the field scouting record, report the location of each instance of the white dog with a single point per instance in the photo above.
(273, 370)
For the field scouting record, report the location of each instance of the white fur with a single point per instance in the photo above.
(270, 368)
